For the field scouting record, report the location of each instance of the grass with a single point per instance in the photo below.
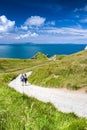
(40, 56)
(19, 112)
(18, 65)
(69, 72)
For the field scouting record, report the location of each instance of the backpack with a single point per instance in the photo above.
(22, 77)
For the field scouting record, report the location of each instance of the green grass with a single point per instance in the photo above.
(57, 57)
(40, 56)
(18, 65)
(19, 112)
(69, 72)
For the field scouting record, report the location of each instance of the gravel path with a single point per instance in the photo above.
(64, 100)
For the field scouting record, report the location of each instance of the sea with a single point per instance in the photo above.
(28, 50)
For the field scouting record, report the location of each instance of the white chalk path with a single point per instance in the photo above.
(64, 100)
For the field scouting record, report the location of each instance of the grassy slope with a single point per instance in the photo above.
(68, 72)
(18, 112)
(18, 65)
(40, 56)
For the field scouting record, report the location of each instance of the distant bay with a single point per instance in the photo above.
(28, 50)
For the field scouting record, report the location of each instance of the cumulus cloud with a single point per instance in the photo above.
(35, 21)
(33, 31)
(26, 35)
(5, 24)
(24, 27)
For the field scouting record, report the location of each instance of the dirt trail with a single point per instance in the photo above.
(64, 100)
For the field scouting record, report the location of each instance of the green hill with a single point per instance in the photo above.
(18, 65)
(40, 56)
(69, 72)
(62, 71)
(19, 112)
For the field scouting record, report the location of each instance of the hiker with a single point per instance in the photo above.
(22, 79)
(25, 79)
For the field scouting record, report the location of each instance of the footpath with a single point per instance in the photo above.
(63, 99)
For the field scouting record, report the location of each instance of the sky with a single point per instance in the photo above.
(43, 21)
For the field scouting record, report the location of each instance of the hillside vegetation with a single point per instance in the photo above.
(18, 65)
(19, 112)
(40, 56)
(69, 71)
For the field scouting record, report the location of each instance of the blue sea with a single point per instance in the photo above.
(28, 50)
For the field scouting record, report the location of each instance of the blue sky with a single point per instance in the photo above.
(43, 21)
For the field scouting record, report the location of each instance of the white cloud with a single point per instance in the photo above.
(77, 16)
(24, 28)
(68, 31)
(21, 36)
(81, 9)
(52, 35)
(5, 24)
(35, 21)
(85, 8)
(26, 35)
(34, 35)
(1, 36)
(83, 20)
(76, 9)
(51, 23)
(33, 31)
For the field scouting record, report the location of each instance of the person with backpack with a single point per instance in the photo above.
(22, 79)
(25, 79)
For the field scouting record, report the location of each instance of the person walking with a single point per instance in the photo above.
(22, 79)
(25, 79)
